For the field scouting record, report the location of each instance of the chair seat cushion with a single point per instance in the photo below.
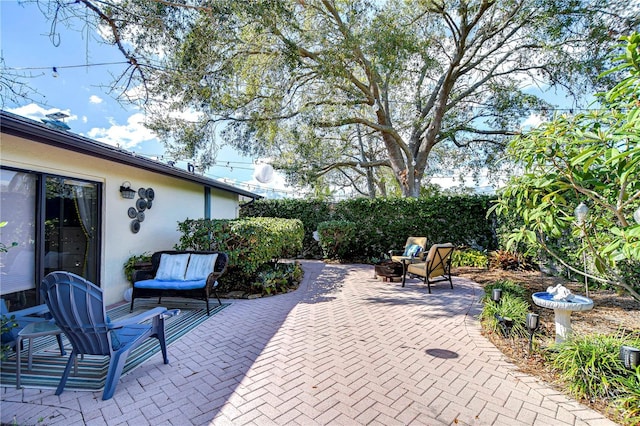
(417, 268)
(171, 285)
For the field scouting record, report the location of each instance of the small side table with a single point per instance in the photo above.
(31, 331)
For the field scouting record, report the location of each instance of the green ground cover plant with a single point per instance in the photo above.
(587, 366)
(469, 257)
(510, 306)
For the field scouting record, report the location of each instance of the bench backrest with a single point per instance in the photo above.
(221, 261)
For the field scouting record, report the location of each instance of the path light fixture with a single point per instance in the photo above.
(496, 295)
(630, 356)
(505, 324)
(581, 213)
(533, 322)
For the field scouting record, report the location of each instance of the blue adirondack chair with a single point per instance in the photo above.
(77, 307)
(21, 319)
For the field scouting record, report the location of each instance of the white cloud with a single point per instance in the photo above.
(95, 99)
(534, 120)
(85, 119)
(126, 136)
(36, 112)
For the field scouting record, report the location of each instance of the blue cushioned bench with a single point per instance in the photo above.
(191, 274)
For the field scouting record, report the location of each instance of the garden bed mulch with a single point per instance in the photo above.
(612, 313)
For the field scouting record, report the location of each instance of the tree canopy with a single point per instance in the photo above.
(361, 92)
(594, 158)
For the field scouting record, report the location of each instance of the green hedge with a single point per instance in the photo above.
(383, 224)
(309, 212)
(249, 242)
(336, 238)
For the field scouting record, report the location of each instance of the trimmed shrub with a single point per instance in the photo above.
(337, 238)
(383, 224)
(249, 242)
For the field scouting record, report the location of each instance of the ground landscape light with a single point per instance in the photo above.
(496, 295)
(630, 356)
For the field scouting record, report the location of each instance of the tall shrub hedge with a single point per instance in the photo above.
(382, 224)
(249, 242)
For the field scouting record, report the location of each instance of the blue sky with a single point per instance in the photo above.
(83, 91)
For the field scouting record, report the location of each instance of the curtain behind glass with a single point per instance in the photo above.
(85, 199)
(17, 263)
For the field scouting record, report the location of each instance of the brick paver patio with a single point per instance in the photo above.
(343, 349)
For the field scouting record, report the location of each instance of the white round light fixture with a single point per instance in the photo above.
(263, 173)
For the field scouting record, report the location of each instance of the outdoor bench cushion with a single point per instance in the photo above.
(171, 276)
(171, 285)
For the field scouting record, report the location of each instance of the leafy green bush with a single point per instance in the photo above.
(628, 402)
(336, 238)
(130, 265)
(590, 364)
(507, 286)
(510, 306)
(279, 278)
(7, 323)
(383, 224)
(510, 261)
(630, 273)
(469, 257)
(250, 243)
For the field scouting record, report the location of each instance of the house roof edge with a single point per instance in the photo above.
(39, 132)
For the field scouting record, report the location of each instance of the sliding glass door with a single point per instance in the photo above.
(53, 224)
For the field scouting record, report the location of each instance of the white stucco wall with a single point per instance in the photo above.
(175, 200)
(224, 205)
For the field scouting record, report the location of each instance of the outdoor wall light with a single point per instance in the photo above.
(533, 322)
(630, 356)
(496, 295)
(126, 191)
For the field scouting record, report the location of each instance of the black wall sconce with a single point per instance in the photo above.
(126, 191)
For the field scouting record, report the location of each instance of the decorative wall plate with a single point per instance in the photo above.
(141, 204)
(150, 194)
(135, 226)
(149, 203)
(142, 192)
(140, 216)
(132, 212)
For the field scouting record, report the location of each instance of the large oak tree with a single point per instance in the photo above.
(347, 88)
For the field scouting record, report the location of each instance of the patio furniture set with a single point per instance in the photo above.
(432, 266)
(75, 307)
